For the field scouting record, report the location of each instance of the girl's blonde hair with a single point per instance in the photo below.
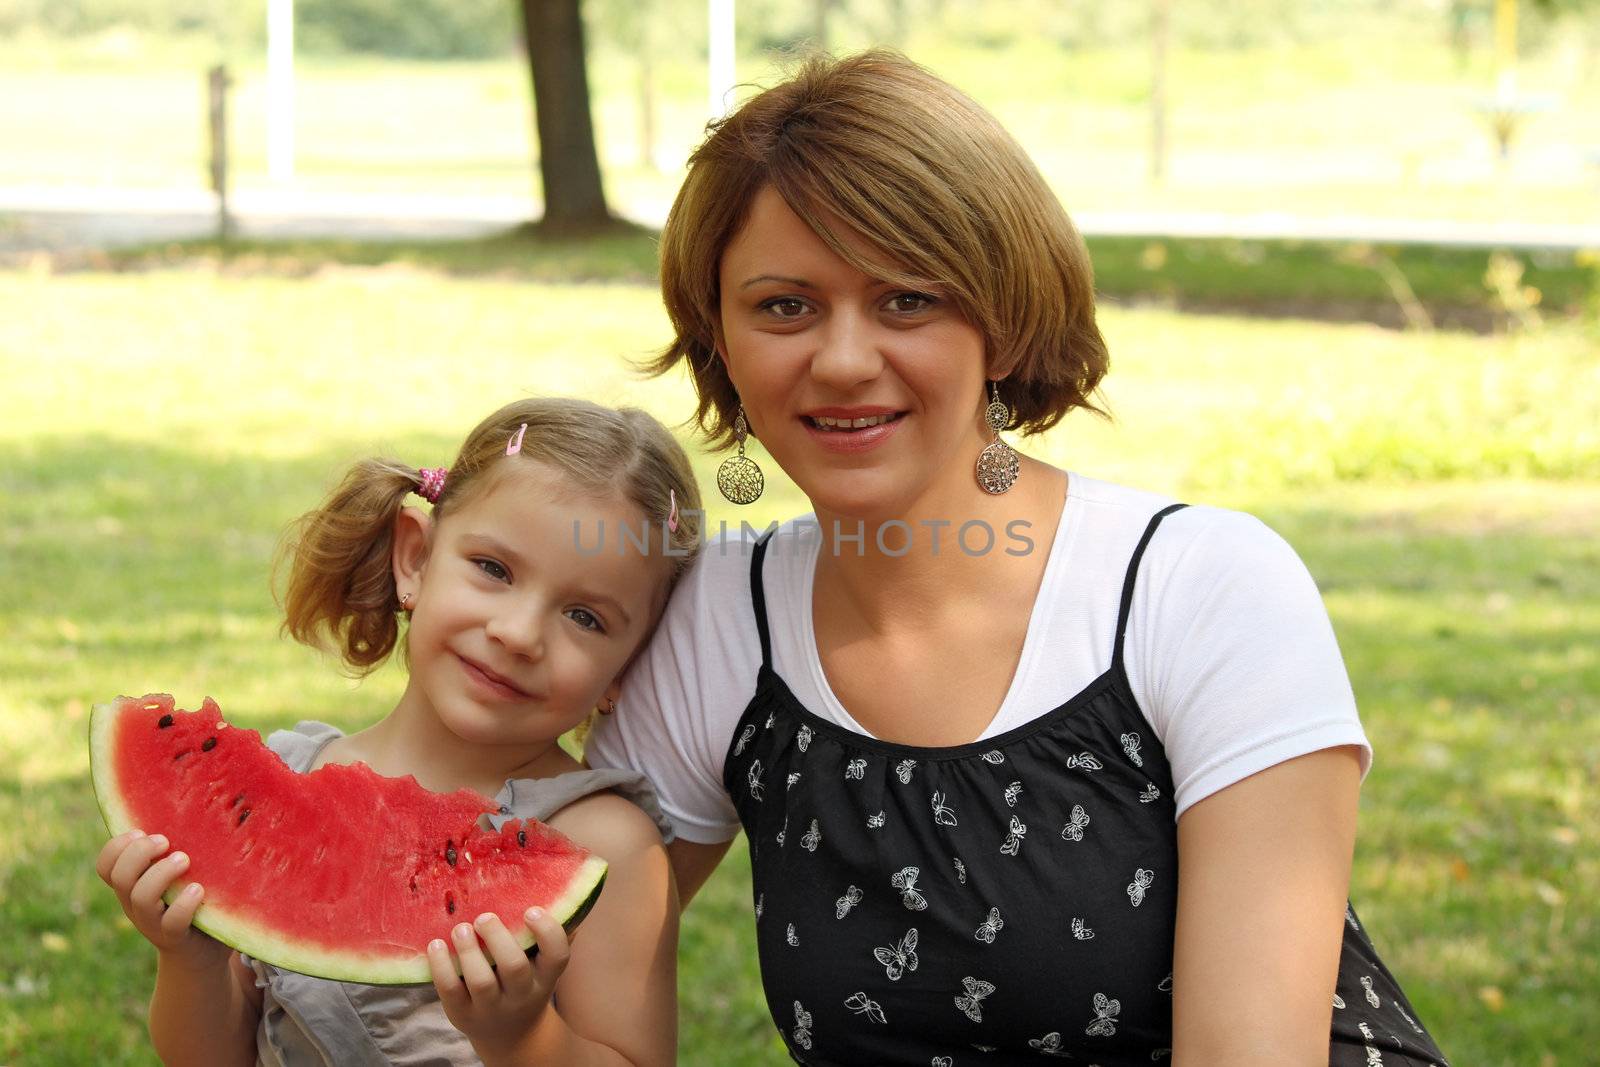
(341, 591)
(877, 148)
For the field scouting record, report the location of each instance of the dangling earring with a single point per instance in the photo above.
(739, 478)
(998, 464)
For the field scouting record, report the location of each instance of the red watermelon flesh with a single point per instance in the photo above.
(340, 873)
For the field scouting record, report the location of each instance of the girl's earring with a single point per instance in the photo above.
(998, 463)
(405, 601)
(739, 478)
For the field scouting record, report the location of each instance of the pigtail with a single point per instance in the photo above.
(340, 593)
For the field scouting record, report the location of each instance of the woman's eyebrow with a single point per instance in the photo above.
(800, 282)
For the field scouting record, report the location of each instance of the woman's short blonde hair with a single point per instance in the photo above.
(876, 148)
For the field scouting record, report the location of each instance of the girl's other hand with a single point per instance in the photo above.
(139, 871)
(500, 1008)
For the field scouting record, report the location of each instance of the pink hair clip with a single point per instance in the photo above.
(672, 515)
(515, 444)
(432, 483)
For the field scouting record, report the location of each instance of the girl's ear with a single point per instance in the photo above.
(412, 530)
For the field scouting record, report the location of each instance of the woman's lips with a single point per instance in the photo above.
(492, 683)
(839, 439)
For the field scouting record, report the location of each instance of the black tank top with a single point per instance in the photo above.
(999, 902)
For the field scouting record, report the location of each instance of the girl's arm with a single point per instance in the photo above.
(201, 1012)
(1265, 876)
(609, 997)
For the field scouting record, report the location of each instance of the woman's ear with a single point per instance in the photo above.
(413, 529)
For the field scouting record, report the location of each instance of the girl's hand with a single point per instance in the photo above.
(134, 866)
(499, 1009)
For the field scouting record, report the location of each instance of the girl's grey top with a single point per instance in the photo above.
(314, 1022)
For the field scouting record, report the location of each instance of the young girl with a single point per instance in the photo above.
(543, 565)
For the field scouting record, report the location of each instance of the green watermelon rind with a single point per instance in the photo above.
(270, 946)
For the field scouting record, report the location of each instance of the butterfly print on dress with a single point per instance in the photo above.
(1081, 931)
(744, 739)
(1048, 1045)
(803, 738)
(1142, 880)
(1150, 794)
(1130, 745)
(994, 756)
(794, 776)
(971, 1002)
(989, 927)
(802, 1026)
(1338, 1001)
(1105, 1021)
(862, 1004)
(906, 882)
(899, 957)
(812, 837)
(1372, 997)
(903, 769)
(754, 778)
(791, 937)
(961, 869)
(1013, 791)
(842, 906)
(1013, 840)
(759, 901)
(875, 822)
(942, 813)
(942, 1061)
(856, 768)
(1073, 831)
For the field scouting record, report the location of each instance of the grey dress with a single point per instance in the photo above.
(314, 1022)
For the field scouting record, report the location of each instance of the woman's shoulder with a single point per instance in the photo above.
(719, 579)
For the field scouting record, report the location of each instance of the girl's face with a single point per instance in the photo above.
(813, 346)
(519, 629)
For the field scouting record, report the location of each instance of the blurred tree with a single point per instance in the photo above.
(569, 167)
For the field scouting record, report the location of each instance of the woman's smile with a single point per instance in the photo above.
(851, 429)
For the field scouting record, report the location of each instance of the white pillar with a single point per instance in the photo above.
(721, 65)
(280, 90)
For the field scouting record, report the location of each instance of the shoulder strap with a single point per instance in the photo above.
(1127, 583)
(758, 596)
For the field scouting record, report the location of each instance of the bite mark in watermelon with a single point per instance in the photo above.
(340, 873)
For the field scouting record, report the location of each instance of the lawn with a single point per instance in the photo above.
(163, 425)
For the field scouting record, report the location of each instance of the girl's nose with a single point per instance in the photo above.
(519, 631)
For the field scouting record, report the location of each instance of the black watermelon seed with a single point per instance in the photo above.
(243, 815)
(209, 744)
(164, 722)
(450, 853)
(522, 839)
(450, 903)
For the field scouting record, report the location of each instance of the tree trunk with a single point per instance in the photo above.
(568, 164)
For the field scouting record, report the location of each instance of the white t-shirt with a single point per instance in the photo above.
(1229, 650)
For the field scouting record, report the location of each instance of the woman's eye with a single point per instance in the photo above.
(587, 619)
(908, 303)
(785, 307)
(493, 569)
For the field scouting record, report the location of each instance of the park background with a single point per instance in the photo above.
(1421, 420)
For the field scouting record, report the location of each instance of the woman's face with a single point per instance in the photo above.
(869, 395)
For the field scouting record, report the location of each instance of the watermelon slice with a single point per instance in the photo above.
(340, 873)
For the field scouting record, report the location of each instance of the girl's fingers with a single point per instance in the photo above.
(475, 972)
(510, 961)
(146, 893)
(176, 919)
(111, 852)
(553, 947)
(452, 994)
(135, 859)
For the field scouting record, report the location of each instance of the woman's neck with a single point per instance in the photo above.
(411, 740)
(943, 552)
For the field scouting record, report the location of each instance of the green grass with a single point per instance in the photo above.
(164, 424)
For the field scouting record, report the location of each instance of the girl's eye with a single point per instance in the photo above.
(493, 569)
(910, 303)
(587, 619)
(785, 307)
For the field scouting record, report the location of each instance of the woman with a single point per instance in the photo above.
(976, 713)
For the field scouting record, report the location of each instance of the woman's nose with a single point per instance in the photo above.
(846, 353)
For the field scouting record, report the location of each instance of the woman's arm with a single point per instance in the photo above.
(1265, 876)
(692, 865)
